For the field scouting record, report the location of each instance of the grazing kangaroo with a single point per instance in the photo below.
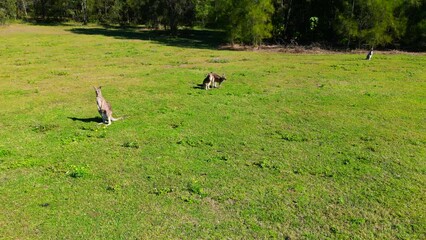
(208, 81)
(217, 79)
(369, 55)
(104, 108)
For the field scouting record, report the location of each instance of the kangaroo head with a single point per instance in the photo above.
(98, 91)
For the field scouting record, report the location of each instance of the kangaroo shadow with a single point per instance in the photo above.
(86, 120)
(198, 86)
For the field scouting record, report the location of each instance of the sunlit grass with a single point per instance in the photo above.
(299, 146)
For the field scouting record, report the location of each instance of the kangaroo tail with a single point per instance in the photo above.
(119, 118)
(116, 119)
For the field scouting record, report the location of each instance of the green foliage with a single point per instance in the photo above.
(203, 9)
(7, 10)
(372, 22)
(3, 16)
(176, 11)
(415, 34)
(350, 23)
(246, 21)
(314, 23)
(108, 11)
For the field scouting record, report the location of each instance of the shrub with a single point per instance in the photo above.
(78, 171)
(3, 16)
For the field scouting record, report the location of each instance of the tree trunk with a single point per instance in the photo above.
(43, 9)
(173, 24)
(287, 20)
(173, 17)
(24, 8)
(352, 15)
(84, 11)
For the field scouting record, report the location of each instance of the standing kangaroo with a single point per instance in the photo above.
(217, 79)
(369, 54)
(104, 108)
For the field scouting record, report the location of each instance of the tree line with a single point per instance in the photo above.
(343, 23)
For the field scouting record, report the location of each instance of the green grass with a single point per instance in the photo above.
(325, 146)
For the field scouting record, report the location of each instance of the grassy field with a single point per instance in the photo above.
(302, 146)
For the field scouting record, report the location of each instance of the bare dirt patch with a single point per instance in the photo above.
(30, 29)
(309, 49)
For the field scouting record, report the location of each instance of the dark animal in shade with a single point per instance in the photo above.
(369, 55)
(208, 81)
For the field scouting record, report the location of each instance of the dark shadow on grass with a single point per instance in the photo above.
(204, 39)
(86, 120)
(48, 22)
(198, 86)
